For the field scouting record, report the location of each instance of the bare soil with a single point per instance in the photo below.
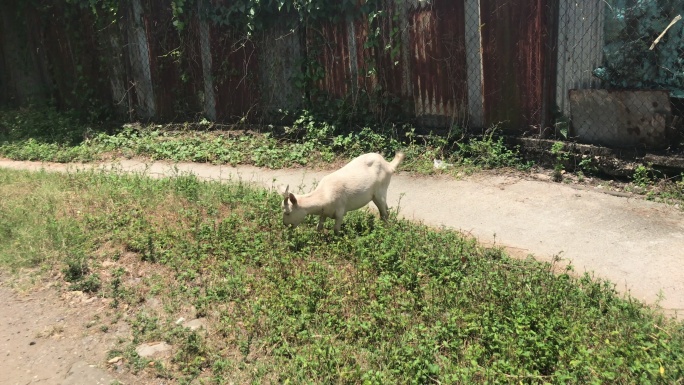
(51, 336)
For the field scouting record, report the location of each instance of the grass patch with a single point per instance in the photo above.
(45, 134)
(383, 303)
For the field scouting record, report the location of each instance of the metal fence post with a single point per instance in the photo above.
(139, 52)
(473, 48)
(207, 78)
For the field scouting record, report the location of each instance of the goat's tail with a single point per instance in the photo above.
(398, 157)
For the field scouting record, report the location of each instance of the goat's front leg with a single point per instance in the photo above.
(321, 221)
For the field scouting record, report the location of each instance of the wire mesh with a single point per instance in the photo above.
(620, 74)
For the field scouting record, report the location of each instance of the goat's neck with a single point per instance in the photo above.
(314, 202)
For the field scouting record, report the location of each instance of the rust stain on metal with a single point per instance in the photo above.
(234, 70)
(329, 42)
(170, 90)
(515, 35)
(438, 62)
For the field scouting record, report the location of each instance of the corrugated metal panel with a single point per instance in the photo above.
(389, 61)
(175, 87)
(280, 57)
(366, 59)
(433, 65)
(515, 38)
(330, 44)
(234, 72)
(438, 62)
(391, 64)
(67, 53)
(428, 69)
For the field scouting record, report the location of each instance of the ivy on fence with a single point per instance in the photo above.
(106, 37)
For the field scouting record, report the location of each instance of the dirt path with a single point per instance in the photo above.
(47, 339)
(637, 244)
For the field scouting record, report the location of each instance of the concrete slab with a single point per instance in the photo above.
(619, 118)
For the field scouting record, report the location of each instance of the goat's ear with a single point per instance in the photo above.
(285, 193)
(292, 199)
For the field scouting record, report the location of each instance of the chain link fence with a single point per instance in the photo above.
(620, 74)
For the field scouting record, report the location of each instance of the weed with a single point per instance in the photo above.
(116, 287)
(89, 284)
(560, 158)
(76, 270)
(307, 141)
(641, 176)
(44, 134)
(79, 275)
(587, 165)
(489, 152)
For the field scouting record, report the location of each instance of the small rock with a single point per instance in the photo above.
(115, 360)
(180, 321)
(542, 177)
(195, 324)
(108, 263)
(152, 349)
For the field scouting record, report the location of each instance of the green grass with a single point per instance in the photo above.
(383, 303)
(47, 135)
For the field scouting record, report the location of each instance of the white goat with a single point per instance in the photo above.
(365, 178)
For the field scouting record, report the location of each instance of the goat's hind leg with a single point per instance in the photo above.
(339, 215)
(381, 203)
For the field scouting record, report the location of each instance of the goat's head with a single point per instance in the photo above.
(293, 214)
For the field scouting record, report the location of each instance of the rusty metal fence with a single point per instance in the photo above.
(608, 72)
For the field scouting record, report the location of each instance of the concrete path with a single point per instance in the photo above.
(638, 245)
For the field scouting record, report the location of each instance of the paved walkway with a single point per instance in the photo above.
(638, 245)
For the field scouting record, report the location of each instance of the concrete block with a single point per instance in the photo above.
(618, 118)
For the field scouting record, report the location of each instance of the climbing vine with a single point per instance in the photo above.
(245, 21)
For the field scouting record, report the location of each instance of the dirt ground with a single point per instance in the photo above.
(51, 339)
